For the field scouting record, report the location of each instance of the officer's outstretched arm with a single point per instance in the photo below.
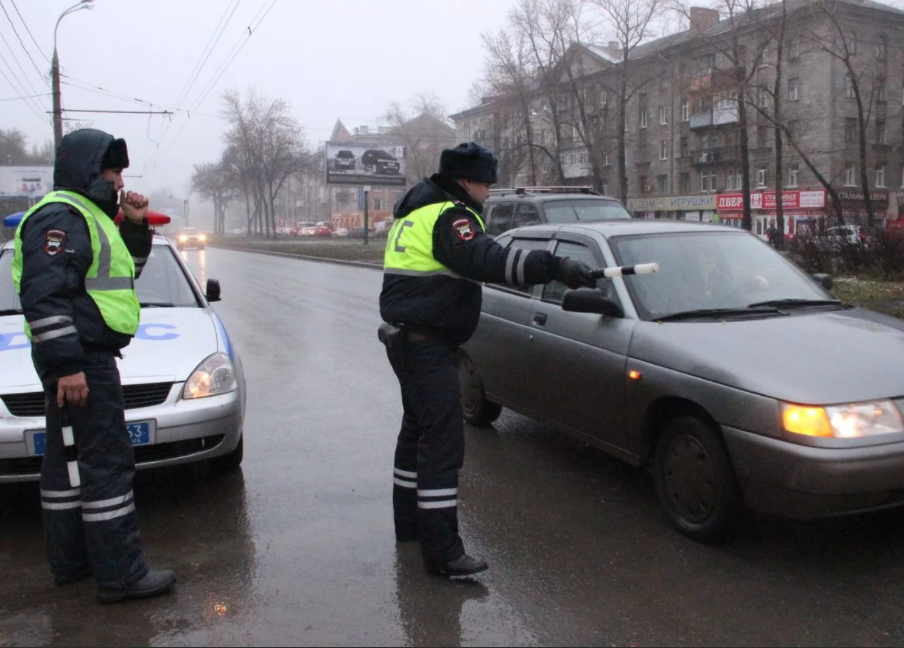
(139, 239)
(460, 245)
(56, 255)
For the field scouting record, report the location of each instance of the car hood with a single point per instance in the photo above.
(169, 345)
(817, 358)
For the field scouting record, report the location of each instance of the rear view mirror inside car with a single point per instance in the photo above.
(590, 300)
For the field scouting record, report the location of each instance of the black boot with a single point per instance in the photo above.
(464, 566)
(153, 584)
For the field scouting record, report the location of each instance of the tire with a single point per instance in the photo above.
(695, 481)
(231, 461)
(475, 407)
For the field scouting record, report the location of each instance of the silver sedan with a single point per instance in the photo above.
(731, 374)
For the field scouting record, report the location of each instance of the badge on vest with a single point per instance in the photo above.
(54, 242)
(464, 229)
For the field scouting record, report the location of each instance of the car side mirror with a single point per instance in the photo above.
(824, 280)
(213, 290)
(590, 300)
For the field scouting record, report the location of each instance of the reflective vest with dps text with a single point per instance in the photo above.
(110, 281)
(409, 248)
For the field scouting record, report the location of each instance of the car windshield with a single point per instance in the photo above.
(569, 211)
(163, 283)
(190, 231)
(709, 270)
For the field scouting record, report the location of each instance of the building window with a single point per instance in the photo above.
(880, 176)
(604, 98)
(663, 116)
(685, 147)
(663, 182)
(794, 175)
(663, 149)
(707, 181)
(880, 90)
(880, 132)
(605, 159)
(793, 89)
(762, 134)
(643, 117)
(378, 204)
(761, 178)
(850, 176)
(764, 98)
(794, 129)
(852, 42)
(794, 49)
(882, 48)
(733, 180)
(685, 110)
(849, 91)
(850, 129)
(685, 180)
(643, 185)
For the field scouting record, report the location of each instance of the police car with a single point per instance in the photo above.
(182, 379)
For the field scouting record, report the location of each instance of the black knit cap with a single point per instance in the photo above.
(469, 161)
(117, 156)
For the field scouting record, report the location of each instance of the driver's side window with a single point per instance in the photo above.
(555, 290)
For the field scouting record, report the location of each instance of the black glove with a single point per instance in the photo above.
(575, 274)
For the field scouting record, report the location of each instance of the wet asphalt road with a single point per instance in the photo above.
(298, 547)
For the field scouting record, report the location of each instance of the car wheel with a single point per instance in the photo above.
(475, 407)
(695, 481)
(231, 461)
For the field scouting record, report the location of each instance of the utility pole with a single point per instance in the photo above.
(366, 213)
(55, 74)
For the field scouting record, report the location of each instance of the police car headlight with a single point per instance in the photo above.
(214, 376)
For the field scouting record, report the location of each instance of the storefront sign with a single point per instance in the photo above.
(768, 200)
(879, 199)
(672, 203)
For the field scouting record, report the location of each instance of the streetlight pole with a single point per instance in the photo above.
(55, 73)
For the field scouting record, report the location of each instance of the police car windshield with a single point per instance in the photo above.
(162, 282)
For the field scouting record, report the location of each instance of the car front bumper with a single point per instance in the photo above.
(800, 481)
(186, 431)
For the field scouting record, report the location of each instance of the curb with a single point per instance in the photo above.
(355, 264)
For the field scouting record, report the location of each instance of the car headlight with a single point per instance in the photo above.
(214, 376)
(851, 421)
(202, 237)
(183, 238)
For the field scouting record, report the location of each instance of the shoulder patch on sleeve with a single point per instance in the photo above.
(54, 242)
(464, 229)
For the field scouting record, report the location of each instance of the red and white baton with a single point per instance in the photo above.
(624, 271)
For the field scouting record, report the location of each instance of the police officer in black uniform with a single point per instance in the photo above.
(437, 255)
(75, 274)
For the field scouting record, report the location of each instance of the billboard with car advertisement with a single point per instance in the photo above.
(357, 163)
(25, 181)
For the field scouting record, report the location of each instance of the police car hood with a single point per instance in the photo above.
(169, 345)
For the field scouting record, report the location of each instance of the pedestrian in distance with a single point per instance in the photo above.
(75, 272)
(437, 256)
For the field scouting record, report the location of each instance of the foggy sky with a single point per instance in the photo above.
(331, 59)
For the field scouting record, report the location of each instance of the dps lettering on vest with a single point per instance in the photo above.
(110, 281)
(409, 247)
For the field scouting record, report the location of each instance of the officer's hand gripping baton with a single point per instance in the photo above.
(69, 450)
(624, 271)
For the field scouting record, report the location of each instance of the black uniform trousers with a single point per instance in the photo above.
(430, 450)
(94, 526)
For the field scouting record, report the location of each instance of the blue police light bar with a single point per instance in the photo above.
(13, 220)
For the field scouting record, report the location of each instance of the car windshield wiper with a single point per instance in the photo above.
(11, 311)
(796, 303)
(718, 312)
(156, 305)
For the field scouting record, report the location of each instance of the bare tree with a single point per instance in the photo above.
(419, 126)
(632, 22)
(213, 182)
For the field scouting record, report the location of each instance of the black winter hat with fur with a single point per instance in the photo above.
(469, 161)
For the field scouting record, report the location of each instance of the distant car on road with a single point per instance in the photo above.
(733, 375)
(324, 228)
(182, 378)
(358, 232)
(340, 232)
(191, 237)
(345, 161)
(380, 162)
(305, 229)
(382, 228)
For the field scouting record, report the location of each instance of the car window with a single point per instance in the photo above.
(500, 218)
(525, 215)
(560, 211)
(600, 210)
(529, 245)
(708, 270)
(555, 291)
(162, 282)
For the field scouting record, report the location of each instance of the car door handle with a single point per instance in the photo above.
(540, 319)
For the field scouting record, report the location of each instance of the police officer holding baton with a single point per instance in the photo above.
(437, 256)
(75, 272)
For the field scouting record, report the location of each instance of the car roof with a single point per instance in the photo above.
(627, 228)
(512, 197)
(158, 240)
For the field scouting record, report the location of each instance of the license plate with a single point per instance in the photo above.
(139, 433)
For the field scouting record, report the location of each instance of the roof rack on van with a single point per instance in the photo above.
(530, 191)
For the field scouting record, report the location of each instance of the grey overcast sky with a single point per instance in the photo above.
(331, 59)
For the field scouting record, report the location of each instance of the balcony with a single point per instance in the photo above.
(711, 156)
(724, 112)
